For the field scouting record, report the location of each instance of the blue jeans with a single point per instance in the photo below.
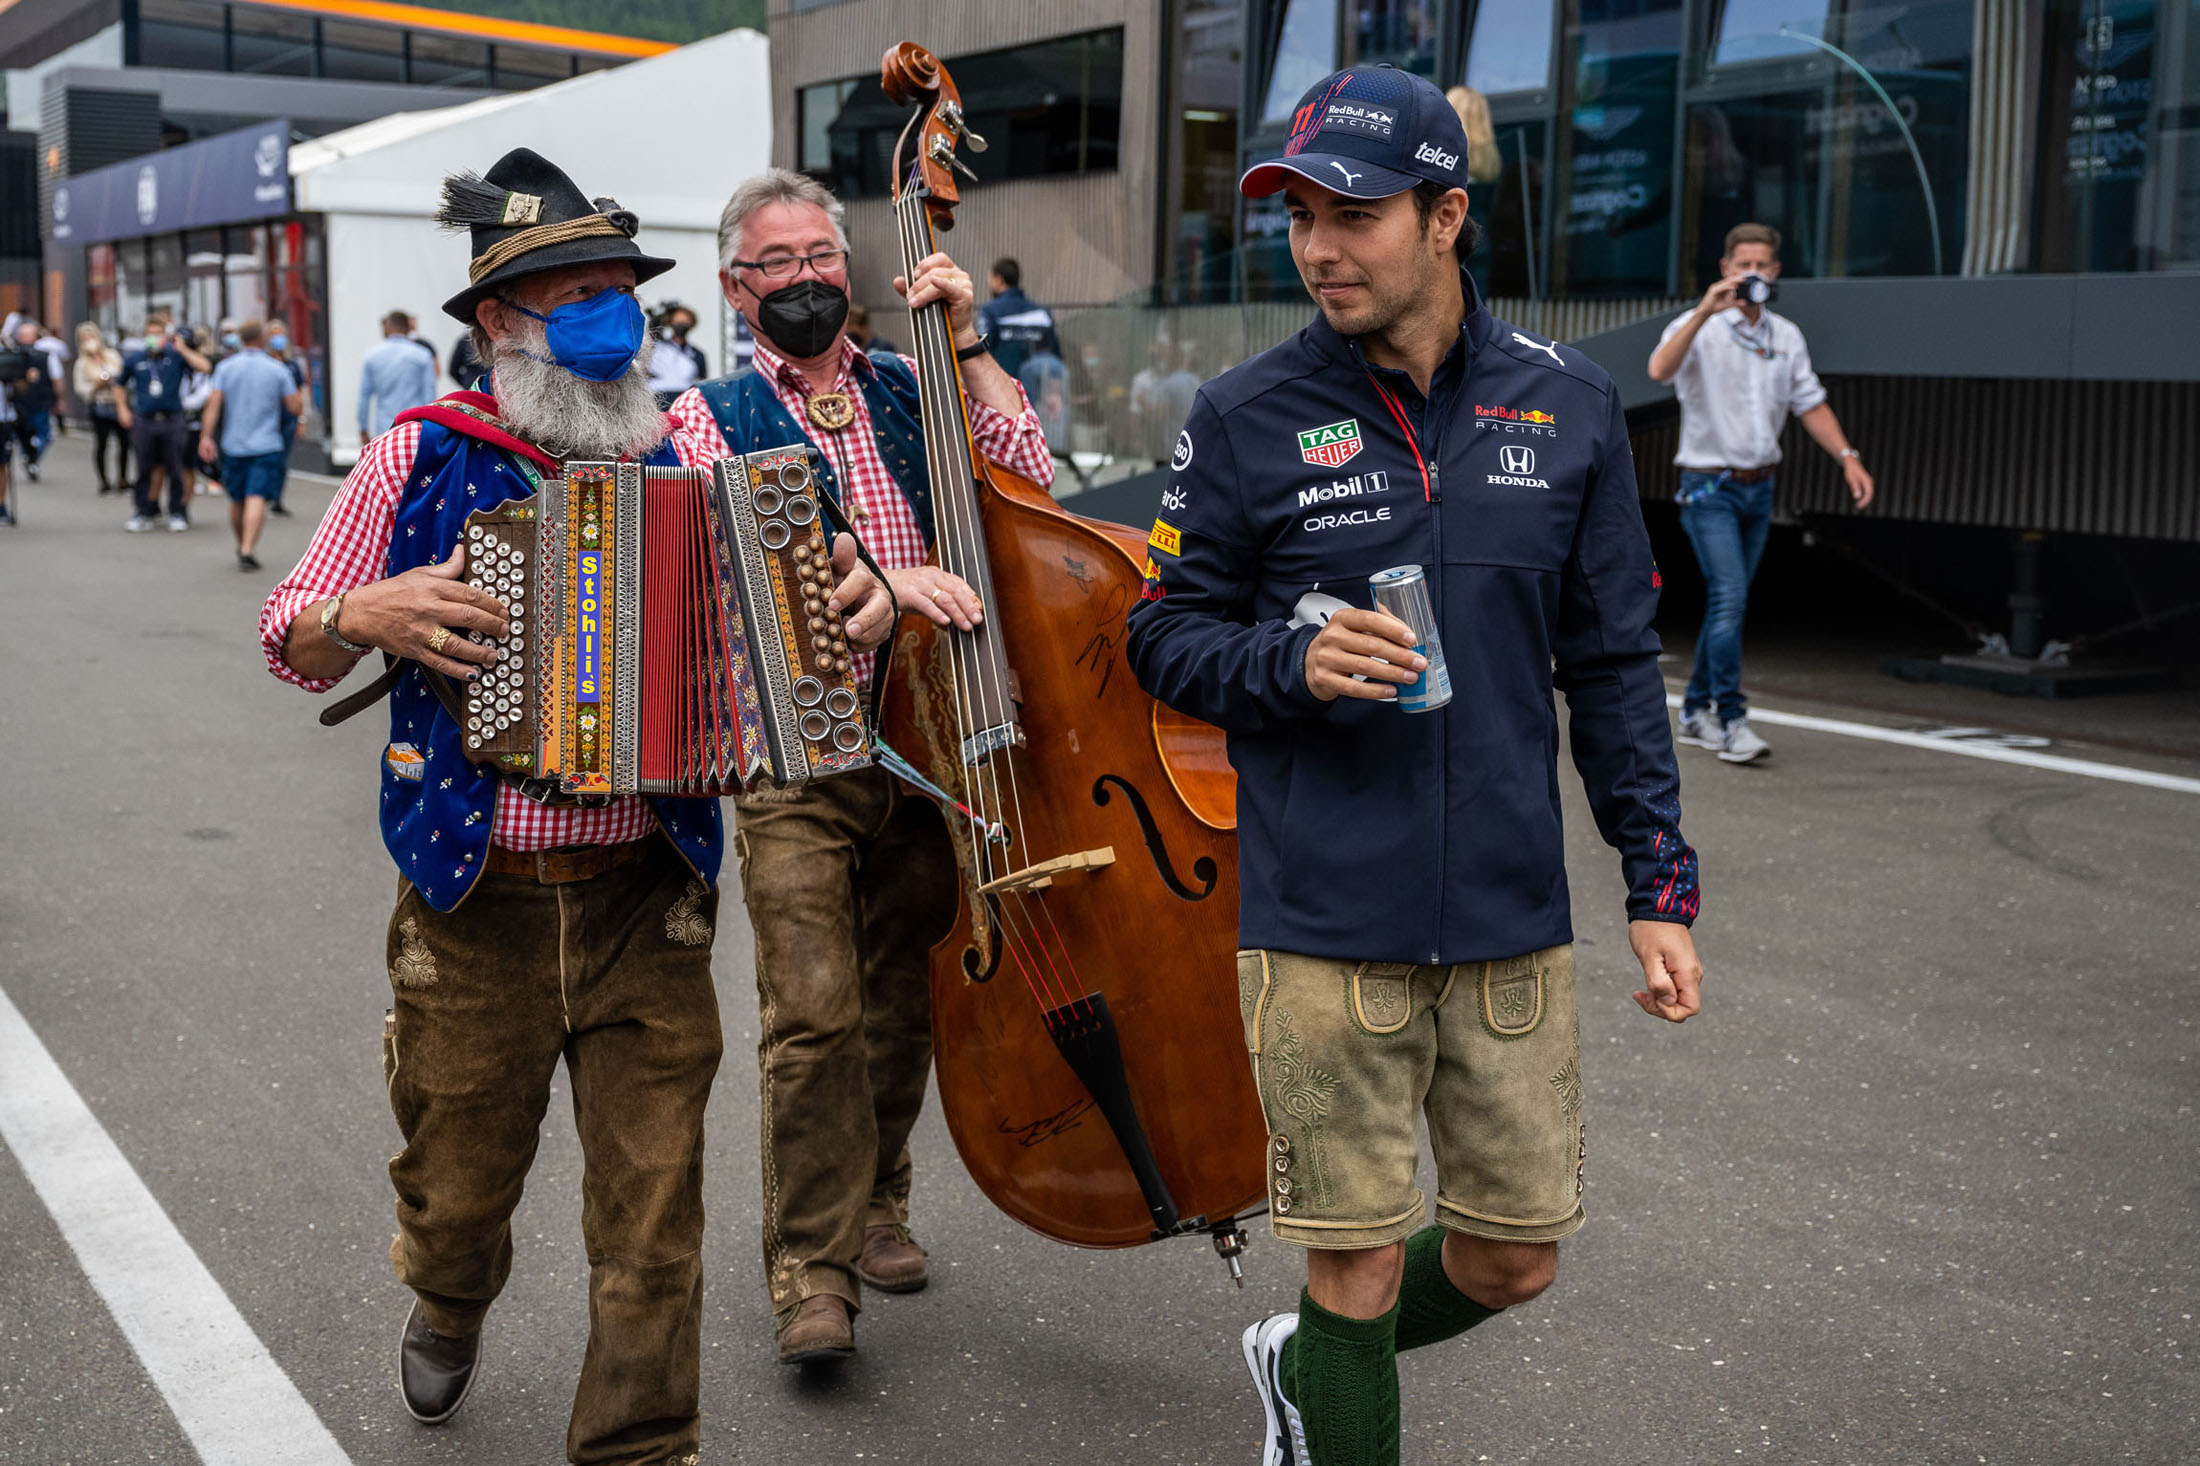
(1727, 523)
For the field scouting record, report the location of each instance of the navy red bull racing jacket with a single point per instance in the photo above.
(1365, 832)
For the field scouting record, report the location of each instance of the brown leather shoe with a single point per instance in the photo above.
(821, 1327)
(892, 1262)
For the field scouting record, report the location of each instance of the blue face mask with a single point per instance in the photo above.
(232, 340)
(278, 342)
(595, 339)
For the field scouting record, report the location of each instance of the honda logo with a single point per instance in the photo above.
(1516, 460)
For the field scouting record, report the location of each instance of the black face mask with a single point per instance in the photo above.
(802, 319)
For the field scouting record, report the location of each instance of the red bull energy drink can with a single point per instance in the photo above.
(1402, 591)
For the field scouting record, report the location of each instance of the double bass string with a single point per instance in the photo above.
(962, 552)
(960, 547)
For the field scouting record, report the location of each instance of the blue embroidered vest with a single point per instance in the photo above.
(750, 419)
(437, 808)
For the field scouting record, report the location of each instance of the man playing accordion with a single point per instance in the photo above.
(525, 932)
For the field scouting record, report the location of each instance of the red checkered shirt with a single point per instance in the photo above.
(867, 489)
(352, 548)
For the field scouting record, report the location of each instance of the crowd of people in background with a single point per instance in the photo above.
(146, 400)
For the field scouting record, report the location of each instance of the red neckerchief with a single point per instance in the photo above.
(474, 414)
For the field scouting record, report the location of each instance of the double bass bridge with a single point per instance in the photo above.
(1039, 877)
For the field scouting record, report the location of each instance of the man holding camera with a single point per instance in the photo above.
(1739, 370)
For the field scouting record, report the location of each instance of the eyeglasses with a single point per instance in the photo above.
(786, 267)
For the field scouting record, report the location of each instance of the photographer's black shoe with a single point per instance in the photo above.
(435, 1372)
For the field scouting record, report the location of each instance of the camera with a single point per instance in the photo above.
(1757, 290)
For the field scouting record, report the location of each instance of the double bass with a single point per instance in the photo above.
(1090, 1052)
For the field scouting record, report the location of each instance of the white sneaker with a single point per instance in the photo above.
(1285, 1443)
(1702, 729)
(137, 524)
(177, 524)
(1742, 744)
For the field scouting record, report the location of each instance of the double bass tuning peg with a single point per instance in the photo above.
(943, 152)
(951, 117)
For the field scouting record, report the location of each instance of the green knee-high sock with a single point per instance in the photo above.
(1343, 1375)
(1430, 1306)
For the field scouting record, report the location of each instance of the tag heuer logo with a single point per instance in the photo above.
(1332, 446)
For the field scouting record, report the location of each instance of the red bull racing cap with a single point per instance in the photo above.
(1371, 131)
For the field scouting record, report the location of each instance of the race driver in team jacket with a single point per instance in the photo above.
(1405, 924)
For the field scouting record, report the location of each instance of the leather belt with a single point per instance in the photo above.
(1748, 475)
(566, 864)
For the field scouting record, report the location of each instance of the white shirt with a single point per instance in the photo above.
(1737, 386)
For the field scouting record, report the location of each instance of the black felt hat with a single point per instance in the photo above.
(526, 216)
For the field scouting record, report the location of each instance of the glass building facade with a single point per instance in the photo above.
(1934, 137)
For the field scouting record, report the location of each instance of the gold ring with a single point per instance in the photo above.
(439, 639)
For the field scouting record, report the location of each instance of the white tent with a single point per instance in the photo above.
(668, 137)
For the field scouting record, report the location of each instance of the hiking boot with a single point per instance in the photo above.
(892, 1262)
(822, 1327)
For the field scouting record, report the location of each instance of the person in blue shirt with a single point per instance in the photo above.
(159, 422)
(1020, 326)
(243, 422)
(1404, 922)
(396, 377)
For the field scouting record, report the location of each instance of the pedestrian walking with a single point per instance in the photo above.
(198, 389)
(243, 428)
(1019, 327)
(97, 378)
(7, 452)
(156, 378)
(1739, 370)
(278, 346)
(58, 357)
(397, 376)
(1404, 914)
(28, 372)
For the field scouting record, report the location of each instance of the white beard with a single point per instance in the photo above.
(571, 416)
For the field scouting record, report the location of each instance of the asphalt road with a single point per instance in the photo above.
(1919, 1186)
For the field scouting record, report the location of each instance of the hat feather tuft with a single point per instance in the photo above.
(471, 202)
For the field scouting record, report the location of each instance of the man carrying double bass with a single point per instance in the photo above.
(849, 881)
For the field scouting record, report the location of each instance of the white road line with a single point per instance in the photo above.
(232, 1399)
(1993, 753)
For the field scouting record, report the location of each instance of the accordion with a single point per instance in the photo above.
(669, 632)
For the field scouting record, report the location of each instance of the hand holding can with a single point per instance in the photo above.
(1402, 591)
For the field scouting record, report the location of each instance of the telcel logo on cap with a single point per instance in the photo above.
(1430, 153)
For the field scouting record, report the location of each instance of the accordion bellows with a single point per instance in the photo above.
(670, 631)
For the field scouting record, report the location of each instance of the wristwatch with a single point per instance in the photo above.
(979, 347)
(1848, 453)
(329, 613)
